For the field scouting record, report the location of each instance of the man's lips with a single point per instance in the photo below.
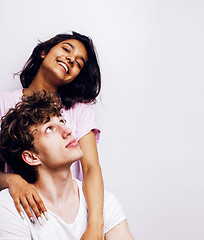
(72, 143)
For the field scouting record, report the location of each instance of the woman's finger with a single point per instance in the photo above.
(18, 206)
(27, 209)
(40, 204)
(33, 205)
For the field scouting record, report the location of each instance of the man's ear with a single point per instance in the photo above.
(30, 158)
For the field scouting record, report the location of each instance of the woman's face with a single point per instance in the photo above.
(64, 62)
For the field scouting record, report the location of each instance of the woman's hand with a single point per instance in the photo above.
(93, 233)
(25, 194)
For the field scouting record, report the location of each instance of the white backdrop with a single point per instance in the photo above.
(151, 109)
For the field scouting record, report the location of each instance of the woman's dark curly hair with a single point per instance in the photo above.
(15, 135)
(84, 88)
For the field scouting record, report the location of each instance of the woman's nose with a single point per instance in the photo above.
(71, 60)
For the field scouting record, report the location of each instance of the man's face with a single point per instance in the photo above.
(54, 144)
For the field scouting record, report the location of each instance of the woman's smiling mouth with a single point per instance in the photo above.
(64, 66)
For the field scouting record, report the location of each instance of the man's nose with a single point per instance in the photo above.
(66, 131)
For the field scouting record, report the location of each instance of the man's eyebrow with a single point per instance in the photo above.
(34, 131)
(72, 46)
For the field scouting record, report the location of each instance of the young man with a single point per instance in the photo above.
(37, 145)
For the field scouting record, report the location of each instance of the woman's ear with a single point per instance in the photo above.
(43, 54)
(30, 158)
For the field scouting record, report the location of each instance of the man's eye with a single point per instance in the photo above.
(49, 129)
(63, 121)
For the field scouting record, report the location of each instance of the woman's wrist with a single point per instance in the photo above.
(96, 223)
(11, 177)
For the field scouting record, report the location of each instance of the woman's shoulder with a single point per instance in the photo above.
(9, 99)
(11, 95)
(81, 107)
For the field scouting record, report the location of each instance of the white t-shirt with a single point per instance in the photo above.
(12, 226)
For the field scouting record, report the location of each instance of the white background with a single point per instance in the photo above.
(151, 113)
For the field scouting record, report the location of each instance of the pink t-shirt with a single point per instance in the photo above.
(81, 119)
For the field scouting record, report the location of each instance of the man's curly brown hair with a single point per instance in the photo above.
(15, 135)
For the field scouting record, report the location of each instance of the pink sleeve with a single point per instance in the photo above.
(1, 106)
(8, 100)
(86, 121)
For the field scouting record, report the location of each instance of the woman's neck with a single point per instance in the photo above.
(36, 86)
(41, 82)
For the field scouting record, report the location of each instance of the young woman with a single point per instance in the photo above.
(66, 64)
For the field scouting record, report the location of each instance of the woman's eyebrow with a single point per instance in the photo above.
(69, 44)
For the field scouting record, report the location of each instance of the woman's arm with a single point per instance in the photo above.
(23, 194)
(92, 187)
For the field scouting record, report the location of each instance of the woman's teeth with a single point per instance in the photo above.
(64, 66)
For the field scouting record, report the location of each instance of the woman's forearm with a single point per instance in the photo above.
(4, 179)
(92, 187)
(94, 194)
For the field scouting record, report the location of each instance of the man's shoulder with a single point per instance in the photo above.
(113, 211)
(6, 202)
(4, 193)
(5, 198)
(109, 196)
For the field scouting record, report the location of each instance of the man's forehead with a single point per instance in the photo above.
(40, 125)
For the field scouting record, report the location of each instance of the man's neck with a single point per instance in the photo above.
(59, 192)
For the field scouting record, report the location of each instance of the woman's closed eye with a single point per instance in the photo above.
(66, 49)
(79, 65)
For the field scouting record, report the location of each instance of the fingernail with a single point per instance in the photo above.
(22, 215)
(32, 221)
(40, 221)
(46, 215)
